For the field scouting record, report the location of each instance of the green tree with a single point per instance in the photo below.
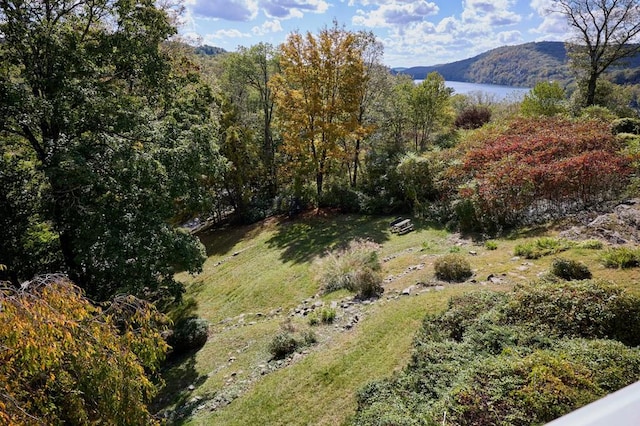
(605, 33)
(66, 361)
(372, 51)
(546, 98)
(318, 94)
(246, 77)
(429, 108)
(118, 131)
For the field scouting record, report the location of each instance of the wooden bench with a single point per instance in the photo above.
(401, 227)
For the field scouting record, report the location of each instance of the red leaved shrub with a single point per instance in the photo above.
(538, 167)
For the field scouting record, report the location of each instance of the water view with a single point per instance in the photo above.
(494, 90)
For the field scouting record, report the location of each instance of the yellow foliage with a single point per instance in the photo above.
(64, 360)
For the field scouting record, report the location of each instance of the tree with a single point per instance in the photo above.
(251, 69)
(605, 33)
(118, 131)
(374, 76)
(66, 361)
(429, 108)
(546, 98)
(318, 94)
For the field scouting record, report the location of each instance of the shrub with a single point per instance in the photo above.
(491, 245)
(309, 338)
(327, 315)
(283, 344)
(590, 244)
(355, 268)
(585, 309)
(546, 98)
(473, 117)
(626, 125)
(532, 169)
(313, 319)
(621, 257)
(518, 358)
(570, 270)
(540, 247)
(452, 267)
(188, 334)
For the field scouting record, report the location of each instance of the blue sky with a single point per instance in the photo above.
(413, 33)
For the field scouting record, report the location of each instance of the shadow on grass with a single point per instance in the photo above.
(181, 379)
(221, 240)
(306, 237)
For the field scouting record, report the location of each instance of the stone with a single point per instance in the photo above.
(407, 291)
(191, 387)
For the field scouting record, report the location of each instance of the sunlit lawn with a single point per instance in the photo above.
(257, 274)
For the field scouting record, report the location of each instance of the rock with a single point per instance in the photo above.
(334, 304)
(318, 304)
(407, 291)
(473, 252)
(191, 387)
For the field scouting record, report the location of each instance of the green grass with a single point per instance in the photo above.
(256, 275)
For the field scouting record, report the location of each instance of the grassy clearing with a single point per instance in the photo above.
(256, 275)
(319, 389)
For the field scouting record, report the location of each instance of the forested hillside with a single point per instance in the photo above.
(523, 65)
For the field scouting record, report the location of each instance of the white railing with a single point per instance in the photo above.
(621, 408)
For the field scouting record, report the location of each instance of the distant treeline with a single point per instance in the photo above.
(523, 65)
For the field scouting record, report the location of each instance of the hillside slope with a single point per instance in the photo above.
(259, 278)
(523, 65)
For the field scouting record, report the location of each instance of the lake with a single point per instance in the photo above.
(500, 93)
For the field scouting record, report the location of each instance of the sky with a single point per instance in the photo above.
(413, 33)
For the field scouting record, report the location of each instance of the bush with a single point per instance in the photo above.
(570, 270)
(586, 309)
(518, 358)
(541, 247)
(452, 267)
(590, 244)
(283, 344)
(621, 258)
(473, 117)
(345, 199)
(313, 319)
(188, 334)
(356, 268)
(626, 125)
(491, 245)
(327, 315)
(546, 98)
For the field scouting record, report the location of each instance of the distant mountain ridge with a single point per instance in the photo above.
(522, 65)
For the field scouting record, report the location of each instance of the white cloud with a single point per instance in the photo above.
(395, 13)
(286, 9)
(554, 25)
(267, 27)
(492, 13)
(510, 37)
(225, 34)
(230, 10)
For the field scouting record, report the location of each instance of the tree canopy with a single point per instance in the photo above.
(318, 93)
(117, 131)
(64, 360)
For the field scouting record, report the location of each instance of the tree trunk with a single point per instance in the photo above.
(356, 160)
(591, 89)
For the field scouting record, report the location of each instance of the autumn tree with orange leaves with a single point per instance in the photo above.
(318, 94)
